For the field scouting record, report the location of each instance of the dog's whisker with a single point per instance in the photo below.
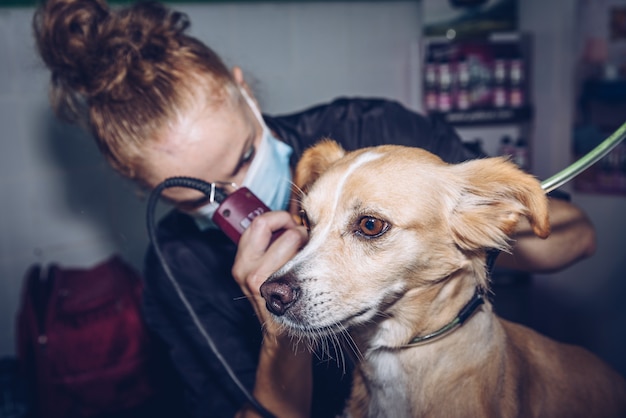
(325, 341)
(352, 344)
(297, 195)
(341, 359)
(297, 189)
(332, 342)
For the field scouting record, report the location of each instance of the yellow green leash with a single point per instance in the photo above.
(586, 161)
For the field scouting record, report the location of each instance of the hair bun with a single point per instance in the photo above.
(137, 43)
(66, 32)
(96, 51)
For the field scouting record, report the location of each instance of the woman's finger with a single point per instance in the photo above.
(255, 256)
(278, 253)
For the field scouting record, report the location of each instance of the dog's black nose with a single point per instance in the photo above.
(279, 294)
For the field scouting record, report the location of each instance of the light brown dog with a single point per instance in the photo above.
(396, 261)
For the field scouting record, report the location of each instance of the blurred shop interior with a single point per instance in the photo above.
(541, 81)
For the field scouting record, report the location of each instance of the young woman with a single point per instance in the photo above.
(160, 103)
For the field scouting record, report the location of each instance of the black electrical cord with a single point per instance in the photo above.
(207, 189)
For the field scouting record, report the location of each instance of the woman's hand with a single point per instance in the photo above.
(284, 377)
(257, 258)
(572, 238)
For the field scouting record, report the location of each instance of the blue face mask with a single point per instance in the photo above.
(268, 177)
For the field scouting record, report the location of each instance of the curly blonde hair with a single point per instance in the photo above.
(125, 73)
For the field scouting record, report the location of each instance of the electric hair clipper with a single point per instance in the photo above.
(236, 212)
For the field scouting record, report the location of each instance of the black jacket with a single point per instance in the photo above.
(202, 261)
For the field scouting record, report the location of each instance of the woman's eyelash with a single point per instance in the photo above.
(247, 156)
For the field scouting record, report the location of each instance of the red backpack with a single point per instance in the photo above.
(82, 344)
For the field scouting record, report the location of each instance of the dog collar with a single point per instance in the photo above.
(464, 314)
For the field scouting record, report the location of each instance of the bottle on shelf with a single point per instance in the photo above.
(463, 84)
(430, 83)
(520, 156)
(500, 77)
(445, 85)
(517, 78)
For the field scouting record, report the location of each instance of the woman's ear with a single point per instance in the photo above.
(238, 76)
(241, 81)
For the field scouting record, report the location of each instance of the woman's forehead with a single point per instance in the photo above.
(205, 143)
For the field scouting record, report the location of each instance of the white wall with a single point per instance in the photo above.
(61, 203)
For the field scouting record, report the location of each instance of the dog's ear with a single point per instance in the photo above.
(315, 161)
(495, 194)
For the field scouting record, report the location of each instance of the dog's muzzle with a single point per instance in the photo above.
(280, 293)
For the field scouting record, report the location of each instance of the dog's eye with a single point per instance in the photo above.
(304, 220)
(371, 227)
